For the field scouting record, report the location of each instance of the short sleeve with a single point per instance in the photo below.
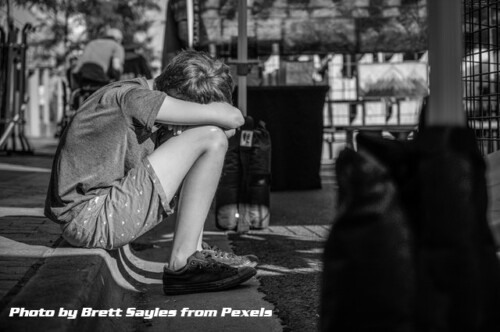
(119, 53)
(141, 105)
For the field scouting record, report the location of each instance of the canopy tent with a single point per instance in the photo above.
(302, 26)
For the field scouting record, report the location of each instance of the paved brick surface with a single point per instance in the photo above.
(26, 184)
(291, 249)
(290, 270)
(23, 243)
(25, 235)
(290, 252)
(38, 270)
(28, 240)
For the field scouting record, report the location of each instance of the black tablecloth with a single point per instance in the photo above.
(294, 117)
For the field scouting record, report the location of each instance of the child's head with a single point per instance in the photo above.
(197, 77)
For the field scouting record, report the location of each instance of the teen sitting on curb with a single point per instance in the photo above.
(109, 183)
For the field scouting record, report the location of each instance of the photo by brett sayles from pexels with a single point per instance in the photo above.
(134, 312)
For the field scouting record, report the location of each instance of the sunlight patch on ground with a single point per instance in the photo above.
(21, 211)
(311, 251)
(21, 168)
(275, 270)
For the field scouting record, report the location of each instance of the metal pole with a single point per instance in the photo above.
(445, 59)
(46, 98)
(190, 22)
(34, 104)
(9, 15)
(9, 130)
(242, 56)
(10, 84)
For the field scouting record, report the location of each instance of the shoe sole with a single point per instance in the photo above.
(212, 286)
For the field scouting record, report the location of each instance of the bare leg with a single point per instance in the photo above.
(197, 157)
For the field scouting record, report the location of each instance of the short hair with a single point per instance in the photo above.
(114, 34)
(197, 77)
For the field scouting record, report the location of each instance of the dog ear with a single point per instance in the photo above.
(400, 157)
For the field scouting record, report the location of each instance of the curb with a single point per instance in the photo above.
(68, 282)
(65, 278)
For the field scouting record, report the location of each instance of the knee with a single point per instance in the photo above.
(215, 139)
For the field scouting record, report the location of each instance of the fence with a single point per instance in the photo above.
(481, 71)
(381, 93)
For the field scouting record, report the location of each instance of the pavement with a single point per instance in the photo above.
(47, 285)
(92, 289)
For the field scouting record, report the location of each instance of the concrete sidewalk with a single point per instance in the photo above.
(40, 272)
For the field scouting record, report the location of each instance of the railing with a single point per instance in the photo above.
(393, 116)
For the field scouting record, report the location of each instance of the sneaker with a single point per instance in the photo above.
(228, 258)
(203, 274)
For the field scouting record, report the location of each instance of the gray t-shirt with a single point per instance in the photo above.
(110, 134)
(100, 51)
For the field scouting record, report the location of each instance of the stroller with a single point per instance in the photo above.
(81, 87)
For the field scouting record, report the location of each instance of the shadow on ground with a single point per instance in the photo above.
(289, 275)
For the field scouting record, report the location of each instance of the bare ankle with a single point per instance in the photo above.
(176, 263)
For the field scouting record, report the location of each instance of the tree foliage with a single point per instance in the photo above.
(316, 26)
(95, 15)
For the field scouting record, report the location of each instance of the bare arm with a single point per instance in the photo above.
(179, 112)
(118, 58)
(117, 64)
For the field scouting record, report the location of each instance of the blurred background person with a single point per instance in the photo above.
(102, 60)
(135, 64)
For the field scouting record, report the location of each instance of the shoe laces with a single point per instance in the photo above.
(218, 252)
(210, 264)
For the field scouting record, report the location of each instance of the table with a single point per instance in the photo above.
(294, 118)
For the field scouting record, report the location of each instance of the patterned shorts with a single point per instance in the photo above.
(129, 209)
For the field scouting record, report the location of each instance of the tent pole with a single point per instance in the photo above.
(190, 22)
(445, 59)
(242, 56)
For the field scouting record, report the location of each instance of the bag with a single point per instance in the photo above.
(243, 196)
